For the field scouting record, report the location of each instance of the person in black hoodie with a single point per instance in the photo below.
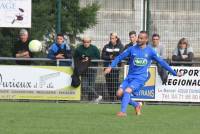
(109, 52)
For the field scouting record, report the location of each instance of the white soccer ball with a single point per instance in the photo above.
(35, 46)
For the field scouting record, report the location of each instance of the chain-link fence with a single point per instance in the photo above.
(97, 86)
(175, 19)
(120, 16)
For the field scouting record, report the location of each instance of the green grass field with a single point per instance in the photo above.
(69, 118)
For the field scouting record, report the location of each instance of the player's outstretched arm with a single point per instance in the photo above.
(120, 57)
(165, 65)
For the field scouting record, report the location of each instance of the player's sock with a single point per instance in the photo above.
(125, 101)
(133, 103)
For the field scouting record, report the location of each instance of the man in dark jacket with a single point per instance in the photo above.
(133, 39)
(109, 52)
(84, 52)
(21, 49)
(133, 42)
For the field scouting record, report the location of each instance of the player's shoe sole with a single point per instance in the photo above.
(138, 109)
(121, 114)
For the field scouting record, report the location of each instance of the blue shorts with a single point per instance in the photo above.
(134, 83)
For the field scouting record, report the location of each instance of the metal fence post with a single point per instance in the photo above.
(144, 15)
(57, 62)
(58, 16)
(148, 22)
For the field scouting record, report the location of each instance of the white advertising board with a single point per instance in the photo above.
(37, 82)
(180, 89)
(176, 89)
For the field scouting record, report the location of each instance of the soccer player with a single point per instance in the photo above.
(141, 57)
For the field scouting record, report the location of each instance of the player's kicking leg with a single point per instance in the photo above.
(125, 100)
(124, 93)
(137, 105)
(120, 95)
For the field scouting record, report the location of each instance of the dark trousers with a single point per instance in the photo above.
(88, 84)
(112, 83)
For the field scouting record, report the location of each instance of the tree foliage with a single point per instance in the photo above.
(74, 20)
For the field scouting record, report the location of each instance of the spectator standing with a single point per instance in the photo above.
(84, 53)
(160, 49)
(133, 42)
(133, 39)
(157, 46)
(109, 52)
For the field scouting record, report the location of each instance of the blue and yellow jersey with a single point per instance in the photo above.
(140, 61)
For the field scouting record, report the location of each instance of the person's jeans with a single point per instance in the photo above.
(112, 83)
(88, 84)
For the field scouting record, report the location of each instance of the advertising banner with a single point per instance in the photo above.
(15, 13)
(181, 89)
(37, 82)
(176, 89)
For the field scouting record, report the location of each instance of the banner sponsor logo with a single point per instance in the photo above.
(15, 13)
(140, 61)
(37, 82)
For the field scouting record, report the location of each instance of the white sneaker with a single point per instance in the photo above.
(97, 100)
